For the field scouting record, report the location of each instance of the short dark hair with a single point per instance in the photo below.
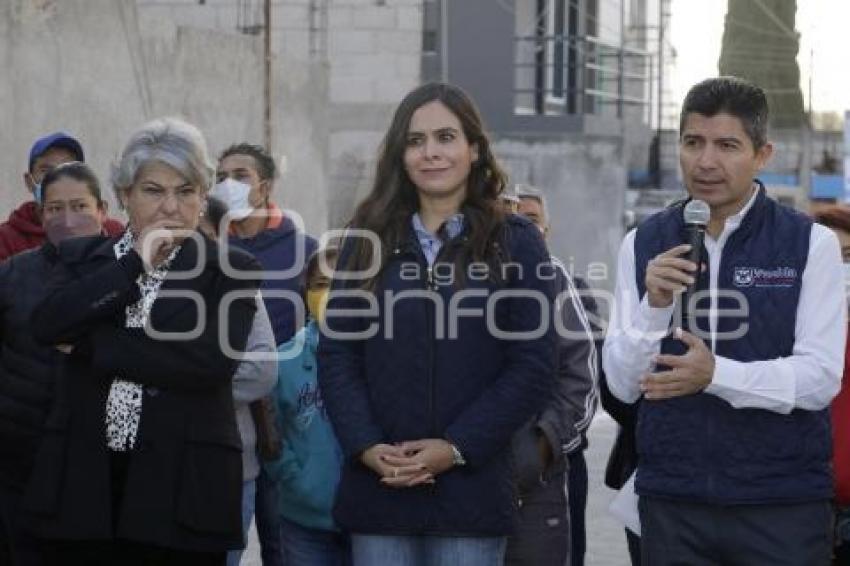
(266, 168)
(731, 95)
(76, 170)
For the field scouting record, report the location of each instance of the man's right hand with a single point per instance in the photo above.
(667, 274)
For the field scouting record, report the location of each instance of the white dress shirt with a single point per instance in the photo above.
(807, 379)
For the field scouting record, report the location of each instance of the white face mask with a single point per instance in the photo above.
(234, 194)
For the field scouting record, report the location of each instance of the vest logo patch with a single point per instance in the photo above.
(743, 277)
(757, 277)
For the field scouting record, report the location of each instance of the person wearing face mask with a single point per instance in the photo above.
(72, 207)
(309, 467)
(245, 176)
(837, 218)
(24, 229)
(254, 379)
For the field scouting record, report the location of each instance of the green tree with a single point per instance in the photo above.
(760, 44)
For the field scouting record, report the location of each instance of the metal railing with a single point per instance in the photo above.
(562, 74)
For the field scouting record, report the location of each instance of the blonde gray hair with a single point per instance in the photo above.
(171, 141)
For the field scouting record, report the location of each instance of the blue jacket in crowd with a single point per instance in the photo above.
(413, 379)
(277, 250)
(308, 469)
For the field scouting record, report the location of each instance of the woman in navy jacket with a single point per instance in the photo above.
(430, 363)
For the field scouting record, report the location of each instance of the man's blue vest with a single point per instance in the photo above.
(699, 447)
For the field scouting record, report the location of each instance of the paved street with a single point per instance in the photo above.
(606, 541)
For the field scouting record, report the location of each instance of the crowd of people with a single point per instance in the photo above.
(419, 391)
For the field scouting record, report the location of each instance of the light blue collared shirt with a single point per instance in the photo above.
(430, 242)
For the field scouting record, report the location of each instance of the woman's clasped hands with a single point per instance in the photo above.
(410, 463)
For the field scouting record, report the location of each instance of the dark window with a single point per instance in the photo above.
(572, 56)
(541, 20)
(429, 42)
(430, 27)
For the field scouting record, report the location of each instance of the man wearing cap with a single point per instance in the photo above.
(23, 230)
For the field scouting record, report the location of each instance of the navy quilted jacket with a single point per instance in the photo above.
(699, 447)
(421, 372)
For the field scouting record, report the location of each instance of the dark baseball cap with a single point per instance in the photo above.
(56, 139)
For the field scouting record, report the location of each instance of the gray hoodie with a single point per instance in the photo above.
(565, 419)
(254, 379)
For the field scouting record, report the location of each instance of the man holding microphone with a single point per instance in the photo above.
(733, 431)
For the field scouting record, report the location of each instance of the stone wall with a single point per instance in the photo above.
(584, 181)
(100, 69)
(368, 53)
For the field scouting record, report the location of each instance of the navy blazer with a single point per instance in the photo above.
(184, 477)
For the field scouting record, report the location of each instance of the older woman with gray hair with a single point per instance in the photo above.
(141, 461)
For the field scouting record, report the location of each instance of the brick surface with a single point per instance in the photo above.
(351, 89)
(408, 66)
(291, 16)
(403, 42)
(291, 43)
(340, 17)
(227, 16)
(393, 89)
(194, 15)
(375, 17)
(409, 17)
(371, 65)
(350, 41)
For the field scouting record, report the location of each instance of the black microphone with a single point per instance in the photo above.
(697, 214)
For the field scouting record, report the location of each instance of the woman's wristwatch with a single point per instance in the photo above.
(457, 457)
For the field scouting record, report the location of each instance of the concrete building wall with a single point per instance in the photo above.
(367, 52)
(375, 58)
(579, 160)
(584, 182)
(100, 69)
